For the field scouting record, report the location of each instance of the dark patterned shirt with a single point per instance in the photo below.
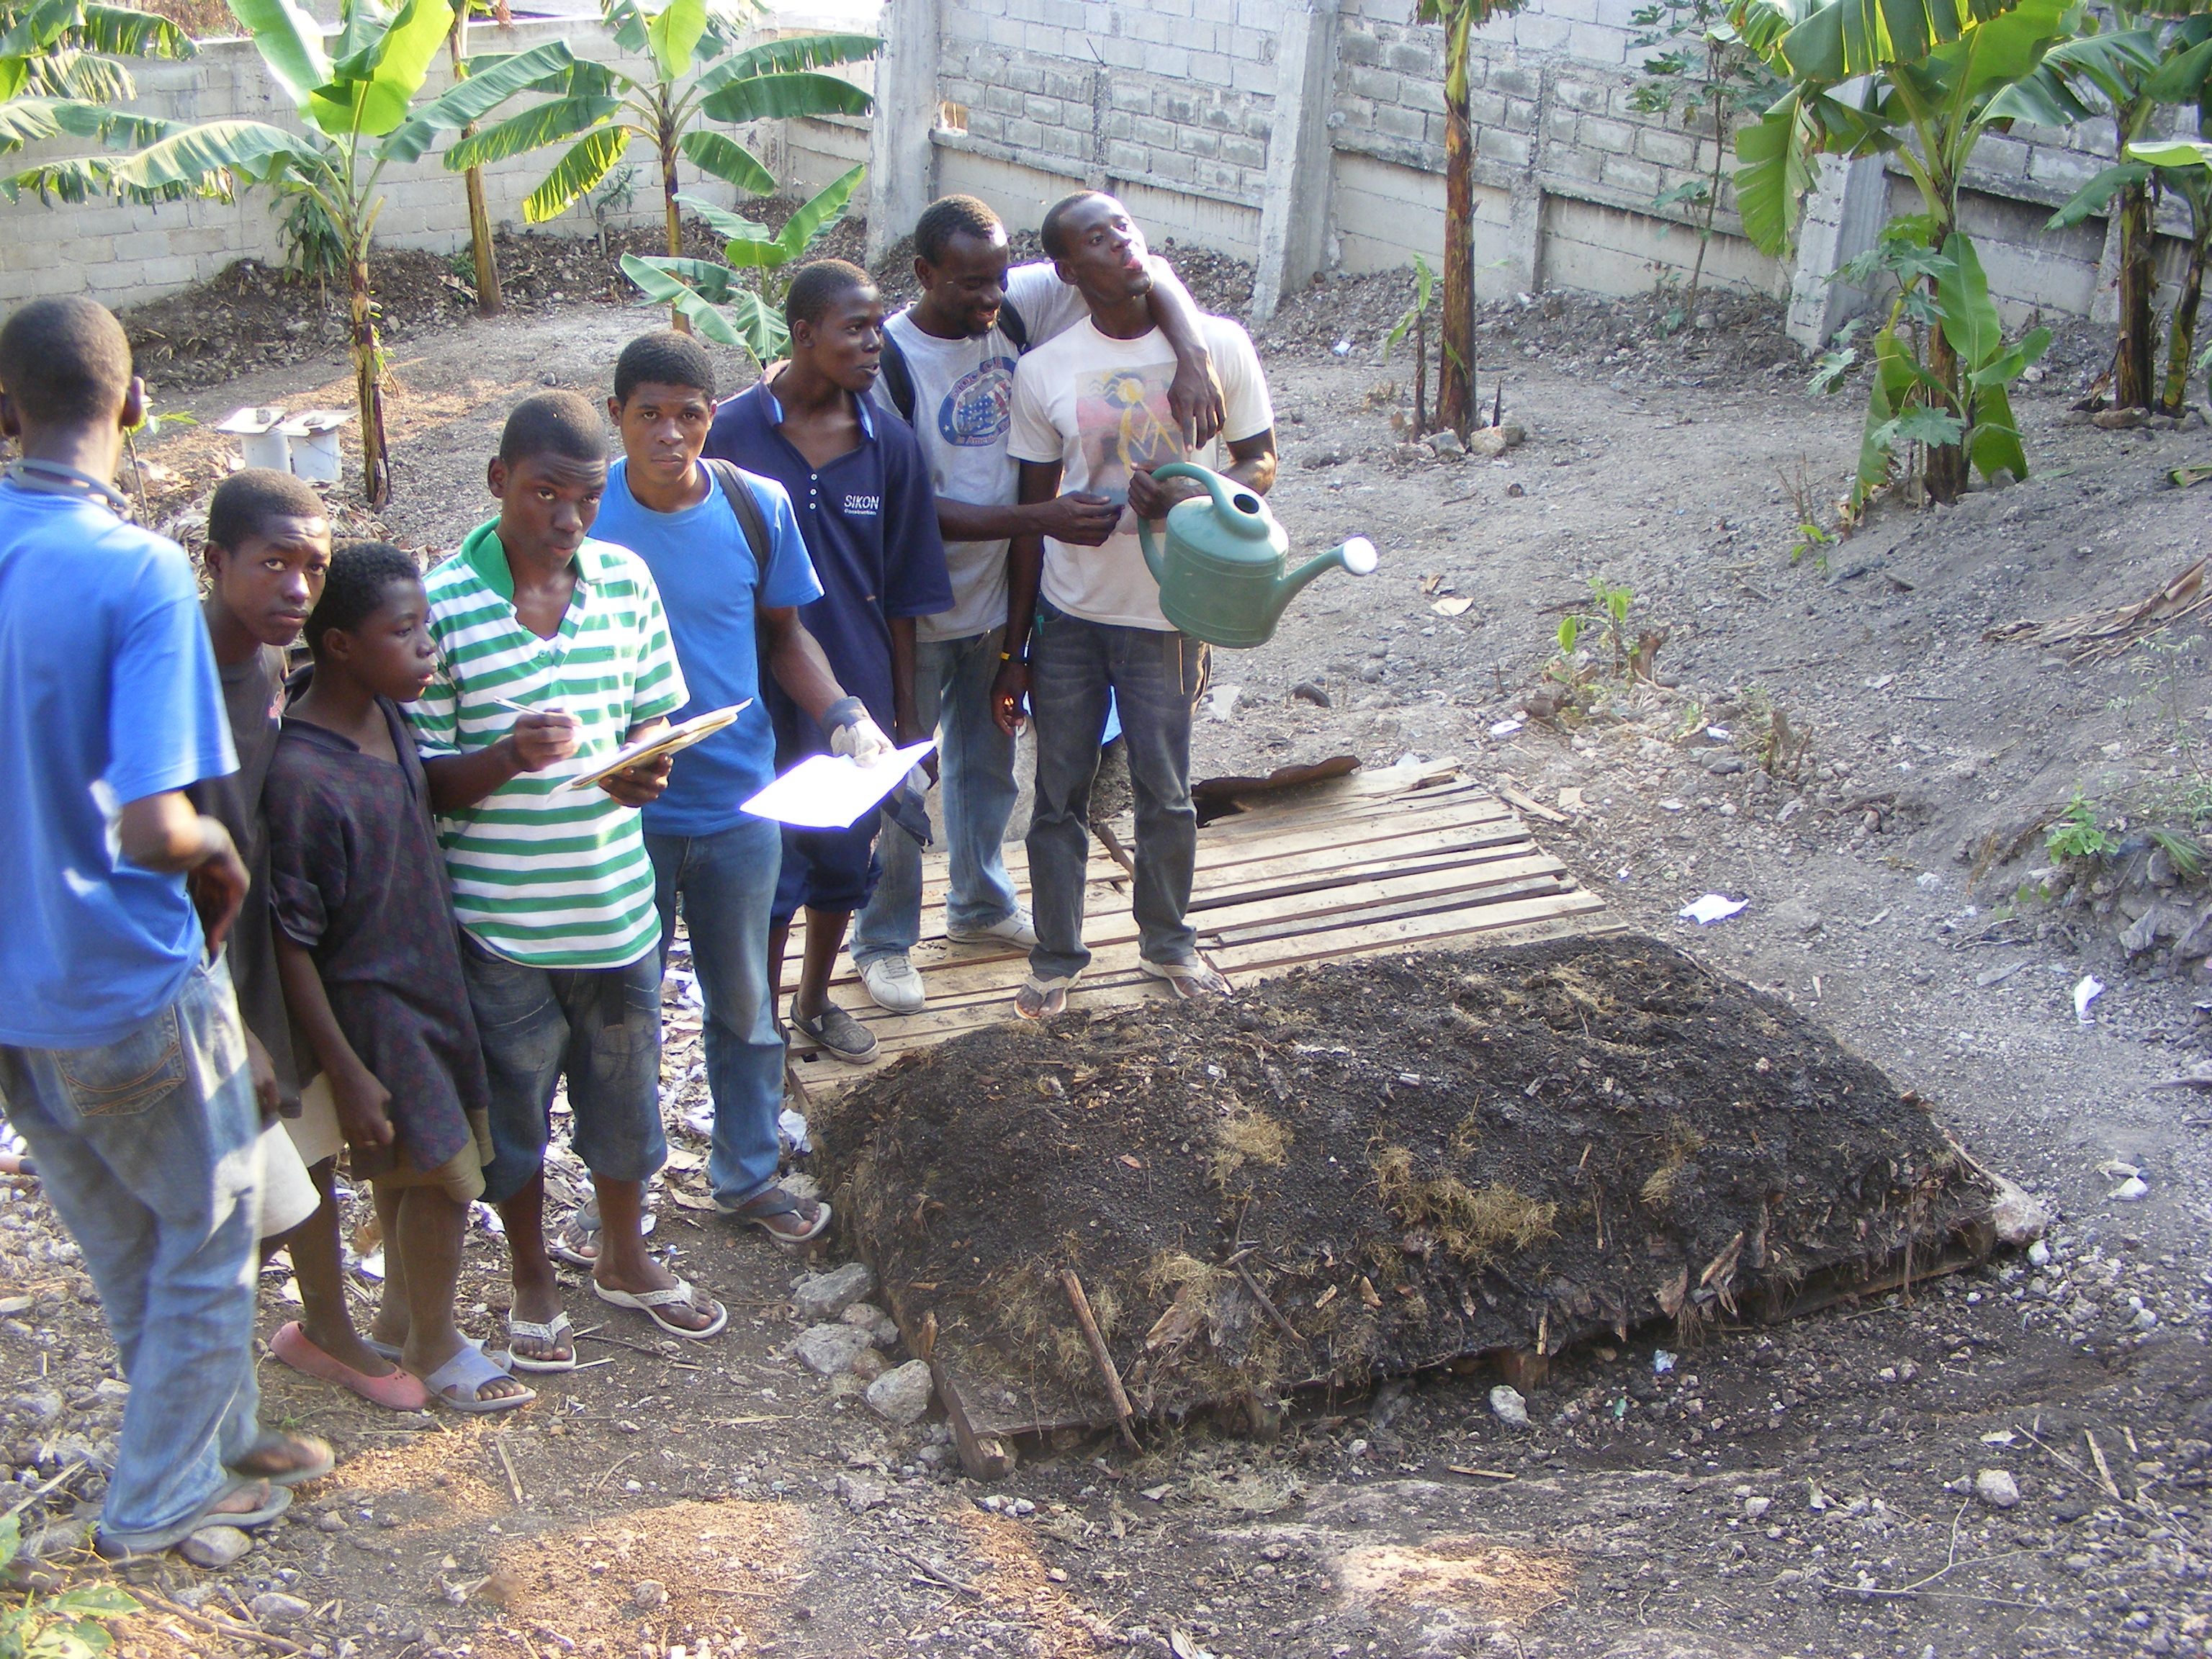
(356, 876)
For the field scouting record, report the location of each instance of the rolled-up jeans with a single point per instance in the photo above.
(952, 681)
(145, 1147)
(726, 883)
(1156, 676)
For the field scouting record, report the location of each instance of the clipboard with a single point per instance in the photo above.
(676, 739)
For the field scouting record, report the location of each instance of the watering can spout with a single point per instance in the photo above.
(1357, 558)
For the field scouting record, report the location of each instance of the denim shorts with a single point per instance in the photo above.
(831, 869)
(599, 1029)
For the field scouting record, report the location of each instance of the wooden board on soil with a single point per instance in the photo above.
(1414, 856)
(1375, 1166)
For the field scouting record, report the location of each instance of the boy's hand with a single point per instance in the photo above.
(1195, 402)
(1010, 696)
(852, 733)
(217, 885)
(541, 740)
(639, 785)
(263, 1070)
(1082, 518)
(1150, 499)
(361, 1103)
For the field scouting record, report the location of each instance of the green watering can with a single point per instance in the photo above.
(1221, 580)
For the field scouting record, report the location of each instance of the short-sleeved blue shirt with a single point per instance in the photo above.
(108, 694)
(870, 521)
(707, 575)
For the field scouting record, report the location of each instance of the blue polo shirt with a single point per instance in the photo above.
(711, 594)
(870, 522)
(108, 694)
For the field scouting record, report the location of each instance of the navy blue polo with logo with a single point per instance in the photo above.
(870, 521)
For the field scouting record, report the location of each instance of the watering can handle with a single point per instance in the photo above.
(1253, 526)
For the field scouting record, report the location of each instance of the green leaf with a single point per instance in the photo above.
(2097, 195)
(580, 170)
(373, 98)
(729, 160)
(627, 24)
(290, 41)
(100, 1600)
(797, 51)
(251, 149)
(2172, 153)
(1996, 446)
(1775, 155)
(469, 102)
(724, 222)
(703, 277)
(777, 97)
(673, 34)
(665, 288)
(1922, 425)
(2003, 371)
(2181, 78)
(133, 33)
(819, 214)
(1836, 41)
(1971, 322)
(537, 126)
(756, 253)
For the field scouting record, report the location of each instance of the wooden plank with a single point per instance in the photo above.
(1410, 934)
(1318, 927)
(1421, 881)
(1315, 871)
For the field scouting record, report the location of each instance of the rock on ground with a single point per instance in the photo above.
(825, 1296)
(214, 1546)
(901, 1396)
(828, 1350)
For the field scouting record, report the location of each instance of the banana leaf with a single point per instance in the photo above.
(728, 161)
(2096, 196)
(132, 33)
(473, 99)
(1837, 41)
(251, 149)
(589, 161)
(723, 222)
(802, 52)
(1996, 446)
(776, 97)
(541, 124)
(290, 41)
(818, 213)
(1971, 323)
(373, 86)
(673, 34)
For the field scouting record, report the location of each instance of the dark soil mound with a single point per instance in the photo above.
(1414, 1159)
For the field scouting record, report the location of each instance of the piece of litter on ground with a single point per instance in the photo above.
(488, 1218)
(1662, 1361)
(2002, 1437)
(1504, 728)
(1999, 975)
(1719, 733)
(1929, 880)
(371, 1266)
(1673, 805)
(1571, 800)
(2129, 1191)
(793, 1127)
(1711, 907)
(1453, 606)
(2086, 992)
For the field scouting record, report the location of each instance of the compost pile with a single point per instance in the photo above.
(1379, 1166)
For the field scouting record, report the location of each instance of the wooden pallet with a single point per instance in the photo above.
(1405, 858)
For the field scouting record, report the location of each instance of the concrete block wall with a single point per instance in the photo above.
(123, 253)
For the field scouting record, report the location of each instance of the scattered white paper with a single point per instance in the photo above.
(2086, 992)
(829, 791)
(1711, 907)
(793, 1127)
(1662, 1361)
(1504, 728)
(372, 1264)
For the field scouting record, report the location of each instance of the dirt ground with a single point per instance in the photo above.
(1807, 1489)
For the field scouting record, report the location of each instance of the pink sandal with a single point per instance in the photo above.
(398, 1392)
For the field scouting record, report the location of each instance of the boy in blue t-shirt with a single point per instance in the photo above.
(122, 1058)
(725, 604)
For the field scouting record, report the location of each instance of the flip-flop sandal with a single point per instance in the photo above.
(839, 1035)
(114, 1546)
(397, 1355)
(650, 1302)
(581, 1227)
(761, 1212)
(1041, 998)
(395, 1391)
(1187, 979)
(555, 1334)
(469, 1370)
(323, 1462)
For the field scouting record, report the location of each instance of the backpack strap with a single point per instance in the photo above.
(1011, 326)
(746, 506)
(898, 378)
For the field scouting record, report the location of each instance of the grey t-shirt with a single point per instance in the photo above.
(253, 697)
(963, 396)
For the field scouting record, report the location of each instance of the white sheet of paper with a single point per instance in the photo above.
(829, 791)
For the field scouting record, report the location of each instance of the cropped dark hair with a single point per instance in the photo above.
(820, 285)
(949, 217)
(665, 358)
(65, 361)
(554, 423)
(360, 573)
(246, 501)
(1052, 232)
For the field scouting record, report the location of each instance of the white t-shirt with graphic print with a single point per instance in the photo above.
(962, 394)
(1099, 407)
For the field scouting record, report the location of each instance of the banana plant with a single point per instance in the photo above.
(356, 102)
(699, 75)
(1942, 293)
(1918, 81)
(2184, 166)
(60, 79)
(2125, 78)
(695, 290)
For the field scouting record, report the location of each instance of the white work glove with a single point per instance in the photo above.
(853, 734)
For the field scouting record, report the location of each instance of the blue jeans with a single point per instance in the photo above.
(726, 883)
(1156, 676)
(599, 1028)
(952, 681)
(145, 1147)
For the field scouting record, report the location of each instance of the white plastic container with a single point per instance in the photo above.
(262, 436)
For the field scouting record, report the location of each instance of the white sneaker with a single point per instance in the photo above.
(1013, 928)
(894, 985)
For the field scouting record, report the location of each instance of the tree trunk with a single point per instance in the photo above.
(368, 382)
(480, 243)
(2181, 344)
(1456, 392)
(1948, 470)
(677, 319)
(2132, 382)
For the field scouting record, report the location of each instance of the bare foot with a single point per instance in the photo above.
(244, 1501)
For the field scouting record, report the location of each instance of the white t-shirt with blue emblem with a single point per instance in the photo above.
(964, 392)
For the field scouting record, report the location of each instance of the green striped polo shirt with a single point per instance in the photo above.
(550, 876)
